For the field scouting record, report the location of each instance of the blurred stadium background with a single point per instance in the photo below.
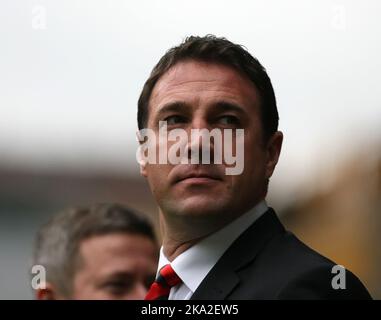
(70, 75)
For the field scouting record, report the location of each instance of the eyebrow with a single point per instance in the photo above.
(228, 106)
(172, 106)
(220, 106)
(120, 275)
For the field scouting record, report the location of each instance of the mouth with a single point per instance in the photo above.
(199, 179)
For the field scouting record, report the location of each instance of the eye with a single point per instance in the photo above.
(118, 287)
(228, 120)
(149, 280)
(175, 119)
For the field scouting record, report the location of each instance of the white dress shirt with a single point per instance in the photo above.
(194, 264)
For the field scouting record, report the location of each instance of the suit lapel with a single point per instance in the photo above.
(218, 285)
(224, 276)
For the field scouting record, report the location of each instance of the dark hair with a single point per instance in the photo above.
(220, 50)
(58, 241)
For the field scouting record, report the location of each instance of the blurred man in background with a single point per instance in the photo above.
(104, 251)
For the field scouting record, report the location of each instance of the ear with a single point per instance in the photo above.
(143, 169)
(140, 156)
(48, 293)
(274, 146)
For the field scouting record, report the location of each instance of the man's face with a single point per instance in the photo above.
(115, 266)
(200, 95)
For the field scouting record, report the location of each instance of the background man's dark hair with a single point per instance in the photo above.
(58, 241)
(218, 50)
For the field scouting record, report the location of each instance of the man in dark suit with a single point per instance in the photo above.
(220, 239)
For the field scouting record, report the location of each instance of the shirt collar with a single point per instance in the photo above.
(194, 264)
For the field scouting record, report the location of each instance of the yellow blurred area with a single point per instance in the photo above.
(343, 222)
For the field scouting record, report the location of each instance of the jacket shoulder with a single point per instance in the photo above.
(289, 269)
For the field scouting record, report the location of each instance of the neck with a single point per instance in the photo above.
(180, 233)
(172, 249)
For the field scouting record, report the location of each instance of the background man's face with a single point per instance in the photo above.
(115, 266)
(202, 93)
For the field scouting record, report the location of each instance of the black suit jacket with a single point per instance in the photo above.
(267, 262)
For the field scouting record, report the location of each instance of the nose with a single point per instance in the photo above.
(200, 146)
(199, 122)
